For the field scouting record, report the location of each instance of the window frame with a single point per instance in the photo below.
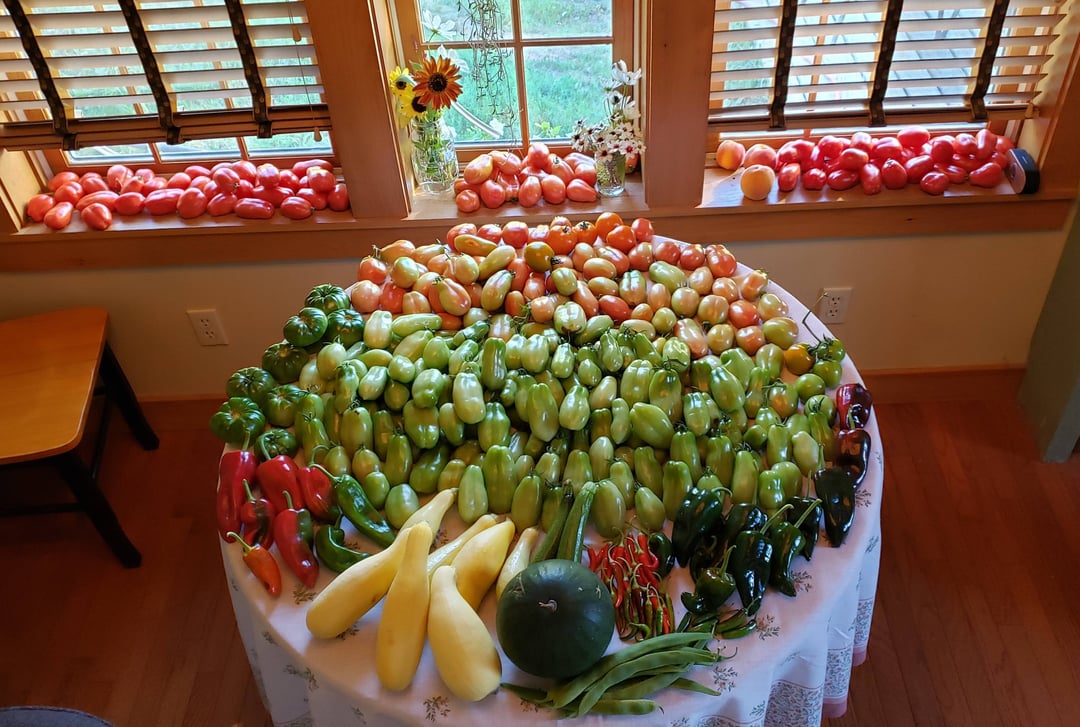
(671, 189)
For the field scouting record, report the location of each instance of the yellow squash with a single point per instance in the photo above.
(519, 557)
(480, 560)
(399, 642)
(433, 510)
(465, 654)
(355, 591)
(445, 554)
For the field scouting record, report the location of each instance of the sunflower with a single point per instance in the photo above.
(437, 83)
(401, 84)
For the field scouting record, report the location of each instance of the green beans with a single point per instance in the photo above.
(684, 655)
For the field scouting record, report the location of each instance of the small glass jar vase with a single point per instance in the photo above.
(434, 157)
(610, 173)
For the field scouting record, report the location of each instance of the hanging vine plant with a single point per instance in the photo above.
(482, 28)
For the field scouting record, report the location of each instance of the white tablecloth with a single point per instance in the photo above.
(793, 670)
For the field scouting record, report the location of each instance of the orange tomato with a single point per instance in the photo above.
(396, 249)
(561, 239)
(585, 232)
(606, 222)
(621, 237)
(643, 229)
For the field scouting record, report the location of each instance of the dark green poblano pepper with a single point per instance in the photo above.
(788, 541)
(836, 488)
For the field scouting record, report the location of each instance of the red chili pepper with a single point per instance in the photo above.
(277, 476)
(293, 533)
(233, 469)
(261, 563)
(257, 517)
(318, 492)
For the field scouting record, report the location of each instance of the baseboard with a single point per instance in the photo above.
(944, 384)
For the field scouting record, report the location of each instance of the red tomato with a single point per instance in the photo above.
(246, 170)
(392, 298)
(162, 201)
(191, 204)
(290, 181)
(94, 183)
(317, 200)
(985, 141)
(814, 179)
(338, 198)
(965, 145)
(691, 257)
(38, 205)
(515, 233)
(490, 231)
(643, 229)
(59, 216)
(252, 208)
(862, 141)
(987, 175)
(831, 145)
(586, 172)
(870, 178)
(267, 175)
(296, 207)
(956, 174)
(913, 137)
(641, 257)
(97, 216)
(841, 179)
(180, 180)
(197, 170)
(561, 239)
(106, 198)
(61, 178)
(918, 166)
(934, 182)
(887, 147)
(373, 269)
(893, 174)
(853, 159)
(274, 195)
(129, 203)
(303, 168)
(578, 190)
(538, 156)
(616, 257)
(788, 176)
(530, 191)
(461, 228)
(133, 184)
(554, 189)
(666, 250)
(941, 149)
(492, 194)
(222, 204)
(70, 192)
(742, 313)
(467, 200)
(722, 264)
(616, 307)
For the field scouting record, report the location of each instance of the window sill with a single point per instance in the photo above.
(723, 215)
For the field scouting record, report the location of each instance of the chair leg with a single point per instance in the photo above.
(119, 390)
(92, 500)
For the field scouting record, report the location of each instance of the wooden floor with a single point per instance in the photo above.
(976, 620)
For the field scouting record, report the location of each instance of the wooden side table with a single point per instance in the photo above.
(55, 365)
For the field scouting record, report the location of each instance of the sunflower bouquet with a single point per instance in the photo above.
(420, 99)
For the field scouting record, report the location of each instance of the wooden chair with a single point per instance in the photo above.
(54, 366)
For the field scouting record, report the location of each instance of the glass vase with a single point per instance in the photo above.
(610, 174)
(434, 158)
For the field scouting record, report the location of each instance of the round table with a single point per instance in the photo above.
(793, 670)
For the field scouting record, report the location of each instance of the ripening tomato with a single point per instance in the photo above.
(753, 284)
(321, 180)
(93, 183)
(814, 179)
(641, 257)
(71, 192)
(721, 262)
(742, 313)
(392, 298)
(691, 257)
(666, 250)
(606, 222)
(529, 193)
(561, 239)
(365, 296)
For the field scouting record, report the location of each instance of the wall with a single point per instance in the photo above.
(957, 301)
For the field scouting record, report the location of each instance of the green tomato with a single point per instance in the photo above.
(346, 326)
(251, 382)
(328, 298)
(281, 403)
(829, 371)
(306, 327)
(809, 385)
(285, 361)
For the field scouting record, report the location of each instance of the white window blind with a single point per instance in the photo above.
(793, 64)
(74, 75)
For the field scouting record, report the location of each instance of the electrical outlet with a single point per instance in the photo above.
(833, 305)
(207, 326)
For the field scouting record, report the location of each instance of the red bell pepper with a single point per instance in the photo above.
(294, 533)
(234, 468)
(257, 516)
(261, 563)
(277, 476)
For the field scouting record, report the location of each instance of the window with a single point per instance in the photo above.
(855, 63)
(530, 68)
(160, 81)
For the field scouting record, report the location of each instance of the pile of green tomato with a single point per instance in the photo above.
(510, 413)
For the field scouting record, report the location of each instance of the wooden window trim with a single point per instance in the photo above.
(683, 199)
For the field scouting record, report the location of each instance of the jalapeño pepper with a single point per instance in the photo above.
(331, 549)
(356, 507)
(293, 533)
(836, 488)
